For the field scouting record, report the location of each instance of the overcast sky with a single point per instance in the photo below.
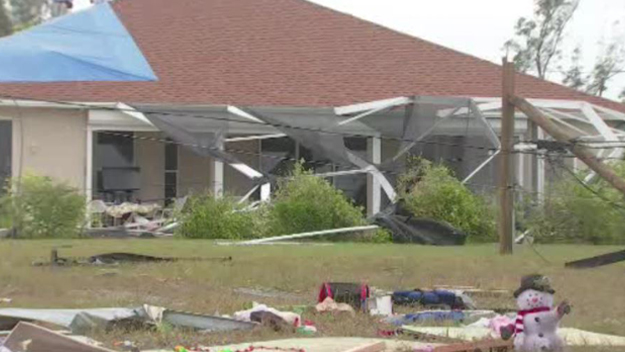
(480, 27)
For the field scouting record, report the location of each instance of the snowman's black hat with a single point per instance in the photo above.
(534, 282)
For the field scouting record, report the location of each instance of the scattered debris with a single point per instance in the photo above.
(381, 305)
(481, 346)
(10, 317)
(308, 328)
(328, 344)
(406, 229)
(434, 316)
(436, 298)
(32, 338)
(80, 321)
(127, 346)
(600, 260)
(353, 294)
(329, 305)
(290, 318)
(475, 291)
(571, 337)
(205, 323)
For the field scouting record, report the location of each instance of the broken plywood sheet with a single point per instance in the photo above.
(572, 337)
(334, 344)
(33, 338)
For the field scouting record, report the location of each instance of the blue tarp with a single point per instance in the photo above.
(90, 45)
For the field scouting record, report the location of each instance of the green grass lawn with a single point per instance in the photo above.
(597, 295)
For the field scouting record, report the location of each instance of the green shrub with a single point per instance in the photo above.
(570, 213)
(305, 203)
(40, 207)
(5, 218)
(208, 217)
(432, 192)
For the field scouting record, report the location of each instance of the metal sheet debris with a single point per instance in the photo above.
(65, 317)
(83, 320)
(204, 322)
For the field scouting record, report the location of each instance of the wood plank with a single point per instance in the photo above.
(372, 347)
(600, 260)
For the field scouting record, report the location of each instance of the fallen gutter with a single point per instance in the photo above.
(309, 234)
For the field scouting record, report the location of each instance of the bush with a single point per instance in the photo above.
(208, 217)
(40, 207)
(571, 213)
(432, 192)
(305, 203)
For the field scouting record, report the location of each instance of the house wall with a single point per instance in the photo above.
(150, 157)
(194, 173)
(50, 142)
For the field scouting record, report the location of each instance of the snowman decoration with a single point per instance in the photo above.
(537, 321)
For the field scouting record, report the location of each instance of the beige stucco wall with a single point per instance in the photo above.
(50, 142)
(150, 157)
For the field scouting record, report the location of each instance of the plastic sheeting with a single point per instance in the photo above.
(90, 45)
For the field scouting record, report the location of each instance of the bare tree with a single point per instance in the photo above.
(608, 65)
(537, 41)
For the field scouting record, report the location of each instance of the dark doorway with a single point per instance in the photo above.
(6, 150)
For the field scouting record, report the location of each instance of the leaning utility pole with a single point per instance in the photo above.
(585, 155)
(506, 164)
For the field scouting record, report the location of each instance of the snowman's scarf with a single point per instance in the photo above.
(518, 327)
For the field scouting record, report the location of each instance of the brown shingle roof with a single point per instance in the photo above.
(284, 53)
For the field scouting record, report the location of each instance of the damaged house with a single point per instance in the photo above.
(183, 97)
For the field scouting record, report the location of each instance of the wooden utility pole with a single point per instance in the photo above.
(585, 155)
(506, 162)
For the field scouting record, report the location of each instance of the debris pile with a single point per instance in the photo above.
(472, 329)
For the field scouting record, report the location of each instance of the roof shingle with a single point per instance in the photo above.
(284, 53)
